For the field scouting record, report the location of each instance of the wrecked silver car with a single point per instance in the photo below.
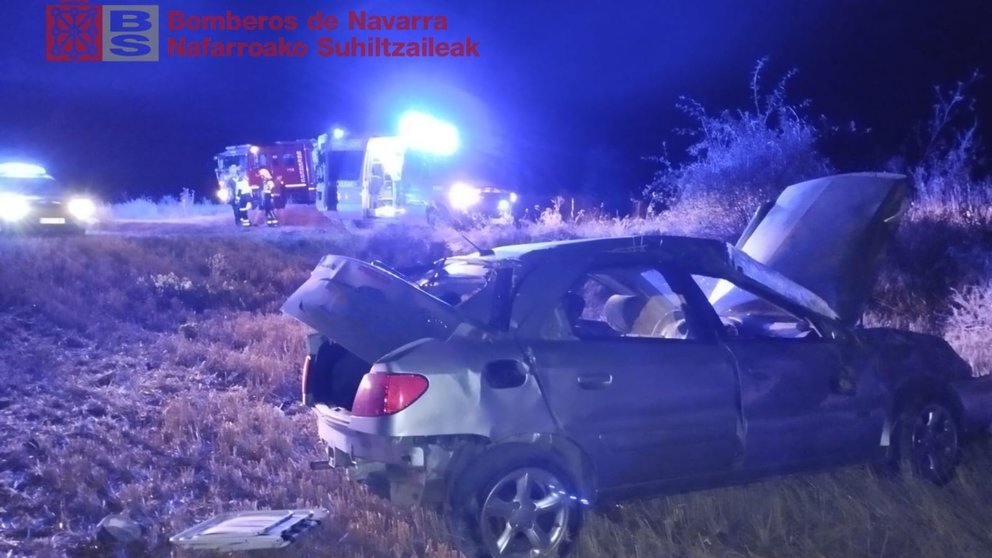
(519, 385)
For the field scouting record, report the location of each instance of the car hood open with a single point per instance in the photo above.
(828, 235)
(368, 310)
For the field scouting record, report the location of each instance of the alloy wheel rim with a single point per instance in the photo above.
(935, 442)
(526, 513)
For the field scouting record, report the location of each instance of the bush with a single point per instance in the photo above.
(949, 161)
(969, 326)
(742, 157)
(940, 250)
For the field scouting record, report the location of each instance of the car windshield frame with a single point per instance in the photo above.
(225, 162)
(756, 315)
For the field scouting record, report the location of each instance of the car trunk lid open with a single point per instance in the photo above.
(368, 310)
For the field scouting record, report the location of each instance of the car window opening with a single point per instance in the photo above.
(630, 302)
(746, 315)
(456, 282)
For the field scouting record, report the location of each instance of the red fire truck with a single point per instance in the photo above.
(289, 162)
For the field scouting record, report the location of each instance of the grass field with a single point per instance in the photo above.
(154, 377)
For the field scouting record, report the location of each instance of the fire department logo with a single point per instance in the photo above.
(77, 31)
(74, 32)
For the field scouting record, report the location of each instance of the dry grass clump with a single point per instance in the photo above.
(849, 513)
(186, 204)
(969, 327)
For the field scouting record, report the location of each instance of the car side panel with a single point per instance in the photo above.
(645, 410)
(460, 400)
(794, 413)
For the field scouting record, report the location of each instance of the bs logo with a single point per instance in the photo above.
(81, 32)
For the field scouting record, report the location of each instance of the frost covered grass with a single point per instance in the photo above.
(185, 205)
(155, 378)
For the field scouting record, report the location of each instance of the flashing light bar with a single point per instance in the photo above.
(22, 170)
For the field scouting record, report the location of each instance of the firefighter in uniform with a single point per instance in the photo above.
(229, 192)
(268, 204)
(279, 199)
(244, 196)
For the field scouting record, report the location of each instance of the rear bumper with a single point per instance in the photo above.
(347, 447)
(975, 395)
(407, 471)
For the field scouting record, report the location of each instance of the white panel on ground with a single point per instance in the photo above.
(250, 530)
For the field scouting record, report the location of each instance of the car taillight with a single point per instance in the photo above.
(382, 393)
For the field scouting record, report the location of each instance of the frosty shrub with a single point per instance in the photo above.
(168, 207)
(741, 157)
(942, 245)
(187, 200)
(171, 284)
(969, 326)
(947, 168)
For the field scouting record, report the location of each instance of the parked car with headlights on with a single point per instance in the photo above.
(519, 385)
(464, 204)
(31, 200)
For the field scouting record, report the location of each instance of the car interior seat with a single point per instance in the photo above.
(622, 312)
(660, 317)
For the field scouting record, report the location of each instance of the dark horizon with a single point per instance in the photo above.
(575, 96)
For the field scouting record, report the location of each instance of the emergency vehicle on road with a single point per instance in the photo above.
(419, 173)
(393, 176)
(290, 162)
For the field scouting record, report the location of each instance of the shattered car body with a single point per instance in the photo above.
(519, 385)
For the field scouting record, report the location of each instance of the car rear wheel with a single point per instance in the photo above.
(929, 441)
(515, 504)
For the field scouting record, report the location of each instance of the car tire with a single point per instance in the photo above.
(928, 439)
(520, 481)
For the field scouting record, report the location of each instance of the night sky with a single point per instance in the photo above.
(561, 89)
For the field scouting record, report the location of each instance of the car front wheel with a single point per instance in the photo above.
(515, 505)
(930, 442)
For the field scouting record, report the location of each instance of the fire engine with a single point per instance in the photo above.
(290, 162)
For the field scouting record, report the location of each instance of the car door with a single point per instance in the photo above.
(808, 395)
(633, 379)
